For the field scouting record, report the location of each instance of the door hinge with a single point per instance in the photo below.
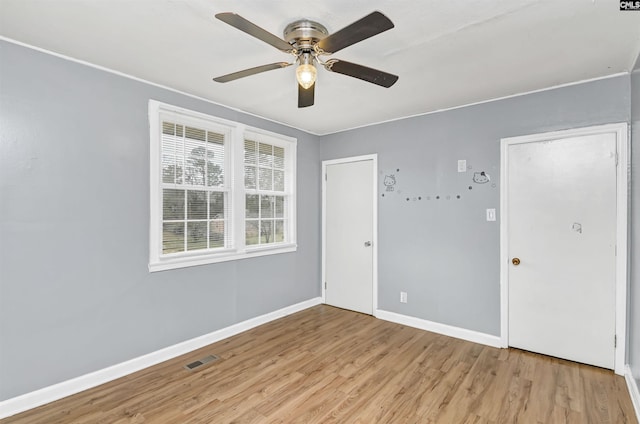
(325, 176)
(615, 340)
(325, 285)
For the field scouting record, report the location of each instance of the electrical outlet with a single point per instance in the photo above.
(403, 297)
(462, 165)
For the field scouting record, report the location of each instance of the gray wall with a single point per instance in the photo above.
(634, 295)
(443, 252)
(75, 292)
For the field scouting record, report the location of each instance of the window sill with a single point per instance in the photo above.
(165, 264)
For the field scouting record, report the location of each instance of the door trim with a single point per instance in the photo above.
(622, 183)
(373, 157)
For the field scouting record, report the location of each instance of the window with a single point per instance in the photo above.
(265, 199)
(194, 194)
(219, 190)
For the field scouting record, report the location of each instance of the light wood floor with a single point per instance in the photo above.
(327, 365)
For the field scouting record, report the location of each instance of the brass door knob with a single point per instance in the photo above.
(515, 261)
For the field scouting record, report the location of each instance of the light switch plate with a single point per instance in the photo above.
(491, 214)
(462, 165)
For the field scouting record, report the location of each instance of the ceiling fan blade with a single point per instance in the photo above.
(252, 29)
(251, 71)
(306, 95)
(364, 73)
(370, 25)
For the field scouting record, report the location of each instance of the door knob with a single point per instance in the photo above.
(367, 244)
(515, 261)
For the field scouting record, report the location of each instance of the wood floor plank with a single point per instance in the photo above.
(327, 365)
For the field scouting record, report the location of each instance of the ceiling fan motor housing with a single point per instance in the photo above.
(303, 34)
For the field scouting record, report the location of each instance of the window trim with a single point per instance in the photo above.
(237, 134)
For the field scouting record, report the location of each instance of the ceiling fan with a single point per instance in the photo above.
(307, 41)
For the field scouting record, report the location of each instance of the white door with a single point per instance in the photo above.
(349, 222)
(561, 203)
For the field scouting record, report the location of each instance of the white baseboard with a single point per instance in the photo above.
(632, 385)
(66, 388)
(435, 327)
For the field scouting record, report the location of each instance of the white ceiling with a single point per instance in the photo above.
(447, 53)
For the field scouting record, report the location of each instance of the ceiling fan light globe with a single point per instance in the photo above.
(306, 75)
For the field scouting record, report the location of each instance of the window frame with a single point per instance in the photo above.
(266, 138)
(235, 135)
